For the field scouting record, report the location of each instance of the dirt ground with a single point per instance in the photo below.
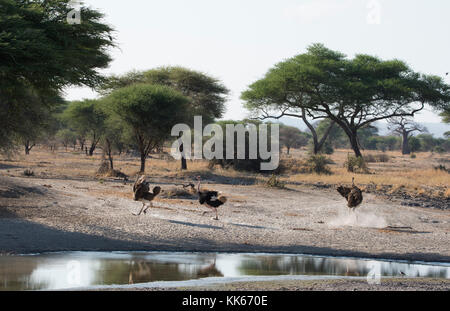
(42, 215)
(397, 284)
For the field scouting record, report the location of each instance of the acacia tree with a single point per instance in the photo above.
(292, 137)
(86, 118)
(274, 98)
(149, 112)
(39, 50)
(445, 116)
(207, 95)
(351, 92)
(404, 127)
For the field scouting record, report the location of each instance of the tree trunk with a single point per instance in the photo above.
(28, 147)
(91, 150)
(142, 163)
(317, 144)
(355, 144)
(111, 163)
(288, 150)
(109, 152)
(405, 143)
(183, 158)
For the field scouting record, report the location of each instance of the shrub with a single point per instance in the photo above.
(319, 164)
(28, 173)
(275, 182)
(413, 156)
(441, 167)
(356, 164)
(292, 166)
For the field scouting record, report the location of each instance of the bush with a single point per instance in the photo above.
(319, 164)
(413, 156)
(292, 166)
(28, 173)
(274, 182)
(376, 158)
(356, 164)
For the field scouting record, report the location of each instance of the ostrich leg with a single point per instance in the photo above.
(142, 208)
(150, 205)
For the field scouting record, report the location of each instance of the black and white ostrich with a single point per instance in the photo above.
(211, 199)
(141, 190)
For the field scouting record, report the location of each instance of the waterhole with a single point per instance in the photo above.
(56, 271)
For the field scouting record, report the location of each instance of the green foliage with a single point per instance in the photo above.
(245, 164)
(318, 163)
(292, 137)
(206, 94)
(148, 112)
(446, 116)
(275, 182)
(87, 119)
(356, 164)
(67, 137)
(352, 92)
(376, 158)
(40, 55)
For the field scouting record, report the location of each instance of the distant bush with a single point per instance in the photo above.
(275, 182)
(376, 158)
(319, 164)
(441, 167)
(356, 164)
(28, 173)
(413, 156)
(292, 166)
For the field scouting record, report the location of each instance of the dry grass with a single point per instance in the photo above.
(402, 173)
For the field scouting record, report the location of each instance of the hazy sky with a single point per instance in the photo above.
(237, 41)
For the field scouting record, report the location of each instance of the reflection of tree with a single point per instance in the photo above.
(297, 265)
(15, 273)
(209, 271)
(141, 270)
(281, 265)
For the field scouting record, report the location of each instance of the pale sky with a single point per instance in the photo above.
(237, 41)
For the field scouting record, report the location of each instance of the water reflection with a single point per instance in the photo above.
(80, 269)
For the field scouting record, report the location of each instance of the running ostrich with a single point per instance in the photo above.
(141, 190)
(352, 194)
(210, 199)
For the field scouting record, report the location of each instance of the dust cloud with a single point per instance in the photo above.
(358, 218)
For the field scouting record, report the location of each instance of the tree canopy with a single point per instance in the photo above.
(42, 52)
(149, 112)
(207, 95)
(351, 92)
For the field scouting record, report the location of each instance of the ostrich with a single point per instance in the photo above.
(210, 199)
(352, 194)
(141, 190)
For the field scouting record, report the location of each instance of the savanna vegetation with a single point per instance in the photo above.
(339, 100)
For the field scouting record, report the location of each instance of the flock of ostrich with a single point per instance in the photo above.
(214, 199)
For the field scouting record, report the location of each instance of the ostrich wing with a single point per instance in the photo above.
(140, 188)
